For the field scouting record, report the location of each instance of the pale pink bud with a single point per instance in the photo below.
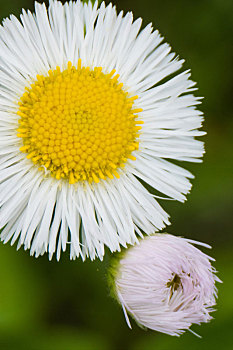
(166, 284)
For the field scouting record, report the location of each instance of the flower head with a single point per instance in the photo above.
(85, 115)
(166, 284)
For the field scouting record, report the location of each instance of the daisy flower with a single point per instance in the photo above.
(90, 110)
(166, 284)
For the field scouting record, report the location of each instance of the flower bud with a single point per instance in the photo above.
(166, 284)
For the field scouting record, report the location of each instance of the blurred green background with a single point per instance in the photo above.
(66, 306)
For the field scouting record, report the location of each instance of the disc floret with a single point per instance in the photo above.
(79, 124)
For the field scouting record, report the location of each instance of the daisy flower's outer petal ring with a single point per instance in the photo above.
(100, 38)
(47, 219)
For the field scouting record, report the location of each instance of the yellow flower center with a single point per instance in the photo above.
(78, 124)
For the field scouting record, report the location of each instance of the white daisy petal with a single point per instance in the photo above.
(72, 154)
